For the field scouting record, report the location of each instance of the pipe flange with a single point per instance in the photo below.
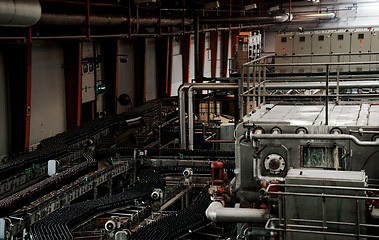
(274, 163)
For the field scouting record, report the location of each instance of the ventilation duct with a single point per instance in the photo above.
(19, 13)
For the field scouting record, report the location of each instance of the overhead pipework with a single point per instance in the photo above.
(19, 13)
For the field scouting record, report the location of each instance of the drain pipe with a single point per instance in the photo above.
(216, 212)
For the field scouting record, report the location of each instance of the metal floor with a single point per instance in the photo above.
(339, 115)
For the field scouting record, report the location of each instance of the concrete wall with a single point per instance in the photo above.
(151, 71)
(48, 108)
(126, 72)
(3, 110)
(177, 70)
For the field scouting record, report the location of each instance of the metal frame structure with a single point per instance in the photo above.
(255, 79)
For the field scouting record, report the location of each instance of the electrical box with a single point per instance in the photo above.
(321, 45)
(302, 44)
(360, 43)
(375, 50)
(340, 43)
(88, 72)
(283, 47)
(254, 46)
(88, 82)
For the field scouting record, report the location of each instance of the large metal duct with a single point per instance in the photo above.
(64, 19)
(19, 13)
(278, 18)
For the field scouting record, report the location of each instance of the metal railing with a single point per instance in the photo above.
(284, 224)
(260, 76)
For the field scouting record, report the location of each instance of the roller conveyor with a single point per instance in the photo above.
(57, 224)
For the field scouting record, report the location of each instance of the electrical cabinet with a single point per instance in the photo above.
(340, 43)
(360, 43)
(375, 50)
(88, 73)
(321, 45)
(302, 44)
(283, 47)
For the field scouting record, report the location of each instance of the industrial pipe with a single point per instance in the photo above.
(201, 86)
(316, 136)
(314, 16)
(19, 13)
(182, 118)
(65, 19)
(216, 212)
(279, 18)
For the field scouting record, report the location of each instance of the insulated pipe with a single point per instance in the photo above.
(316, 136)
(216, 212)
(65, 19)
(314, 16)
(279, 18)
(19, 13)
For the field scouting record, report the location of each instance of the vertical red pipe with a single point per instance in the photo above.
(214, 47)
(88, 23)
(116, 76)
(225, 53)
(28, 89)
(186, 56)
(202, 39)
(79, 98)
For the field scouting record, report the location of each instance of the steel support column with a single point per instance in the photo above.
(214, 48)
(140, 70)
(224, 53)
(73, 82)
(28, 89)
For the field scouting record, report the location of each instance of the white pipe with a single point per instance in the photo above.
(190, 119)
(316, 136)
(314, 16)
(216, 212)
